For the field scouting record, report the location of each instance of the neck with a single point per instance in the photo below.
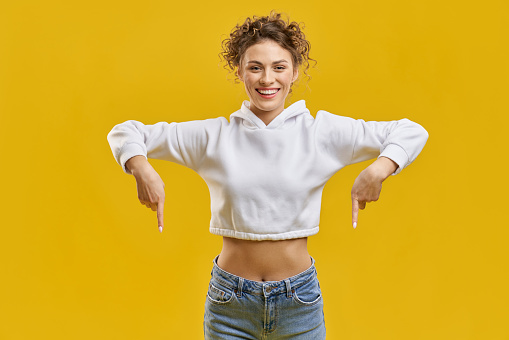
(266, 116)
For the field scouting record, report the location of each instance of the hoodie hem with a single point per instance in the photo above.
(263, 237)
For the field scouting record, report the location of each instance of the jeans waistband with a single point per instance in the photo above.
(240, 284)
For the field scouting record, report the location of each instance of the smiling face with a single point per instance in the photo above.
(267, 71)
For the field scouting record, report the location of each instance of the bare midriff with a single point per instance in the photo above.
(264, 260)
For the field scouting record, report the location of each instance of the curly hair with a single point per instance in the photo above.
(254, 30)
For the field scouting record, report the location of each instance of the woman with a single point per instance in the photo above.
(266, 169)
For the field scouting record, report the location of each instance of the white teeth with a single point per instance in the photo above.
(267, 91)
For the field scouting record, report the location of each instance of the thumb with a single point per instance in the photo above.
(355, 211)
(160, 220)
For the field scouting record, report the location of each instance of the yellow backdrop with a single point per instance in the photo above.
(81, 258)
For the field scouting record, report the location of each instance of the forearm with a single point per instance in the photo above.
(136, 164)
(383, 167)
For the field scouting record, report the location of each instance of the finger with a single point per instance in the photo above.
(362, 205)
(355, 212)
(151, 206)
(160, 220)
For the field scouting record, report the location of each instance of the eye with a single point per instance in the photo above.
(280, 68)
(254, 68)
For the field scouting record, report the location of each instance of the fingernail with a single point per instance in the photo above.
(354, 225)
(160, 229)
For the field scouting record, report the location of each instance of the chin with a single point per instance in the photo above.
(267, 106)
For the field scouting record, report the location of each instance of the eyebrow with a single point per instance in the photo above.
(275, 62)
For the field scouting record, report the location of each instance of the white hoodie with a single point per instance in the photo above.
(266, 181)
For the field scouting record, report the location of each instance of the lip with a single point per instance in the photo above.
(268, 96)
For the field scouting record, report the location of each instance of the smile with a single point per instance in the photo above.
(269, 93)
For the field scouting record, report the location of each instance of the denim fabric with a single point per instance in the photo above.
(237, 308)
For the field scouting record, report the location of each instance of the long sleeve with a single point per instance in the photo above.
(182, 143)
(355, 140)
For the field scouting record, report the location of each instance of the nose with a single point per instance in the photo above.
(267, 78)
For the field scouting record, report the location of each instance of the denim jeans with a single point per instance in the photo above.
(237, 308)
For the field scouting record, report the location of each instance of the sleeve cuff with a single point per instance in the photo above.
(129, 151)
(397, 154)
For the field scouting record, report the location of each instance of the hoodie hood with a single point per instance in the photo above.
(252, 121)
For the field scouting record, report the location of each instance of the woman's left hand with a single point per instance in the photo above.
(368, 184)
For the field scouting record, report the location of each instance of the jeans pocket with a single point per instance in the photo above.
(219, 295)
(308, 294)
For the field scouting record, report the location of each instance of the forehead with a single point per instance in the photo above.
(267, 52)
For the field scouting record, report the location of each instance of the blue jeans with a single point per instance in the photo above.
(237, 308)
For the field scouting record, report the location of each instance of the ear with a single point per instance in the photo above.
(239, 74)
(295, 74)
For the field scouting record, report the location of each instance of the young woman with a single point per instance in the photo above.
(266, 169)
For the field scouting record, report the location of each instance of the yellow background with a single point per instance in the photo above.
(81, 258)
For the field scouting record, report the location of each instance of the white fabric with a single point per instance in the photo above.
(266, 181)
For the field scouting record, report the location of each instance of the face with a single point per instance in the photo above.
(267, 72)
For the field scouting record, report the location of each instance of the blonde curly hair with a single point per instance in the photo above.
(288, 35)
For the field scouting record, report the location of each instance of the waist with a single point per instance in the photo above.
(264, 260)
(241, 284)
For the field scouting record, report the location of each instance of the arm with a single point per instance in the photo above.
(347, 141)
(133, 138)
(132, 142)
(184, 143)
(395, 144)
(401, 141)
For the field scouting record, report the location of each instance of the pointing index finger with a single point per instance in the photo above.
(160, 220)
(355, 211)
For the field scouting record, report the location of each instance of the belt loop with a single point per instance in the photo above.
(239, 288)
(288, 288)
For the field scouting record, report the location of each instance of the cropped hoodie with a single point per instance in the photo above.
(266, 181)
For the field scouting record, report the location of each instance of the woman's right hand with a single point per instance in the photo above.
(150, 186)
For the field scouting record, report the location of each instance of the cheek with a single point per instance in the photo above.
(248, 86)
(288, 79)
(249, 80)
